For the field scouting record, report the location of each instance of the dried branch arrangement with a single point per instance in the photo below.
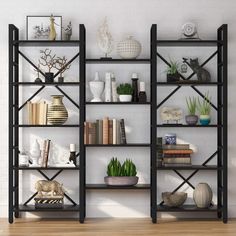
(61, 65)
(47, 59)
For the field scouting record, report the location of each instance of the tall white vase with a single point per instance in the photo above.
(35, 153)
(202, 195)
(96, 88)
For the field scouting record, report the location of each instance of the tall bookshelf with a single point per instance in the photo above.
(220, 44)
(14, 108)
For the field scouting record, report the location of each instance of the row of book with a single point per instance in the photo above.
(174, 155)
(45, 153)
(105, 131)
(37, 113)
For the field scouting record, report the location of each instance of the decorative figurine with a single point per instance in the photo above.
(104, 39)
(189, 31)
(52, 33)
(202, 74)
(35, 153)
(61, 64)
(96, 87)
(171, 114)
(68, 31)
(48, 188)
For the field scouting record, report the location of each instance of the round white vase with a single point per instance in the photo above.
(202, 195)
(96, 87)
(125, 98)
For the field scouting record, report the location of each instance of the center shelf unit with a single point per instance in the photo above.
(221, 84)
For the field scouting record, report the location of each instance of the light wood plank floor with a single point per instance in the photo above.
(116, 227)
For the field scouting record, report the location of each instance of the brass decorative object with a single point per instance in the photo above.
(57, 113)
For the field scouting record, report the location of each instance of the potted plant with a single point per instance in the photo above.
(125, 92)
(204, 108)
(121, 175)
(191, 118)
(173, 72)
(49, 61)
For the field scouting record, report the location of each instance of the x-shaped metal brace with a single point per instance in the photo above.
(186, 180)
(50, 179)
(188, 78)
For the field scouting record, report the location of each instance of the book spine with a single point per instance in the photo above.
(123, 135)
(110, 132)
(176, 147)
(37, 114)
(29, 110)
(108, 87)
(113, 89)
(100, 134)
(86, 135)
(43, 163)
(118, 132)
(177, 155)
(47, 152)
(92, 133)
(105, 130)
(177, 160)
(114, 131)
(34, 106)
(97, 132)
(180, 151)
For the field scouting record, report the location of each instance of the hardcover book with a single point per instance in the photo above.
(123, 135)
(105, 130)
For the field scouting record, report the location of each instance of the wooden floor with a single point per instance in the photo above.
(116, 227)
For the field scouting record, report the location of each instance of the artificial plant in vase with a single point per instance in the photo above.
(172, 71)
(48, 61)
(125, 92)
(191, 118)
(62, 66)
(121, 175)
(204, 108)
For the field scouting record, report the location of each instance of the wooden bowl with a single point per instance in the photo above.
(174, 199)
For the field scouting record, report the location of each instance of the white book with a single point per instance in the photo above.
(108, 87)
(118, 132)
(114, 131)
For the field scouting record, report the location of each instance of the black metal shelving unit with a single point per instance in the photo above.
(221, 153)
(14, 124)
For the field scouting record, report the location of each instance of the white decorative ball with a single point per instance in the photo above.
(129, 48)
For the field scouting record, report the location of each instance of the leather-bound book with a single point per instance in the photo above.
(105, 130)
(110, 132)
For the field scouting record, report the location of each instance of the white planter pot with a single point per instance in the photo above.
(202, 195)
(96, 88)
(125, 98)
(121, 180)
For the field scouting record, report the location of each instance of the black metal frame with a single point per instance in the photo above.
(221, 108)
(14, 125)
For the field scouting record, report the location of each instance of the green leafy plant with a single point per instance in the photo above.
(192, 105)
(204, 106)
(125, 89)
(173, 68)
(114, 168)
(128, 168)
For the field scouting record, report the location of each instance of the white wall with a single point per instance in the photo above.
(125, 17)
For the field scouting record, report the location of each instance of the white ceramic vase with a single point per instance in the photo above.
(129, 48)
(202, 195)
(125, 98)
(35, 153)
(96, 88)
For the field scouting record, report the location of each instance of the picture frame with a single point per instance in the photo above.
(37, 27)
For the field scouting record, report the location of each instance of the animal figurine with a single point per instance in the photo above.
(52, 33)
(202, 74)
(51, 188)
(171, 114)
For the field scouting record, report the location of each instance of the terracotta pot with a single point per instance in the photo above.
(202, 195)
(57, 113)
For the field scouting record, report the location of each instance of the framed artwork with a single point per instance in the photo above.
(38, 27)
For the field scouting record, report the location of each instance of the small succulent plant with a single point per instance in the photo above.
(192, 105)
(125, 89)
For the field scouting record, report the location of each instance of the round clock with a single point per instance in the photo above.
(189, 30)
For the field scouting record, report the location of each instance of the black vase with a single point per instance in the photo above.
(135, 90)
(173, 77)
(49, 77)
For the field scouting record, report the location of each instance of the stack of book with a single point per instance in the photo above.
(45, 153)
(176, 155)
(106, 131)
(37, 113)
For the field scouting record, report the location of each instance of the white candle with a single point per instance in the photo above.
(142, 86)
(72, 147)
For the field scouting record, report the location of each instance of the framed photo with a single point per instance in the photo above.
(38, 27)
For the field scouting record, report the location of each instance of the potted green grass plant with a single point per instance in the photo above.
(191, 118)
(125, 92)
(172, 72)
(204, 108)
(121, 175)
